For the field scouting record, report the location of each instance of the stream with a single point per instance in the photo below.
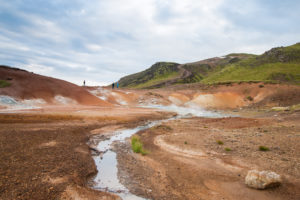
(107, 176)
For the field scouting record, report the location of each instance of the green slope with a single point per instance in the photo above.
(202, 69)
(280, 64)
(155, 75)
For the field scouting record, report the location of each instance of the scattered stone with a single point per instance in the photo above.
(262, 179)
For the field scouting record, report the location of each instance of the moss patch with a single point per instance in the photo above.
(4, 84)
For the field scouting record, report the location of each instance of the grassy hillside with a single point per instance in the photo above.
(280, 64)
(202, 69)
(271, 72)
(155, 75)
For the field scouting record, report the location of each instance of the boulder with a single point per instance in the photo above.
(262, 179)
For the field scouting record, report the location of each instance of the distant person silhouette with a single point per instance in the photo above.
(84, 83)
(113, 86)
(117, 84)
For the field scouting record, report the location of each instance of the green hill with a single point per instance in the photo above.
(280, 64)
(154, 76)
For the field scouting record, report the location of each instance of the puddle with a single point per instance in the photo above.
(107, 176)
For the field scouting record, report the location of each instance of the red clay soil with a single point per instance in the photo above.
(234, 95)
(26, 85)
(267, 94)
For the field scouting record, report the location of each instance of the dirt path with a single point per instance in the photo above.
(187, 163)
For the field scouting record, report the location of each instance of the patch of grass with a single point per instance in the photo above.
(227, 149)
(263, 148)
(261, 86)
(295, 107)
(137, 146)
(220, 142)
(245, 71)
(185, 142)
(4, 84)
(249, 98)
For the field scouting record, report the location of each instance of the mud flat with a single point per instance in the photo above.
(44, 154)
(186, 161)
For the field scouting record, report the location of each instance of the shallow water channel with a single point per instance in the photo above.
(107, 176)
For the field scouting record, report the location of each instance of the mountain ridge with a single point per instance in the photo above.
(280, 64)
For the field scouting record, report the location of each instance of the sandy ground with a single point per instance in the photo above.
(186, 162)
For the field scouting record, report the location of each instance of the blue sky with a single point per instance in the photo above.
(102, 40)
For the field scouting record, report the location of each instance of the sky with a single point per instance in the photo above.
(101, 41)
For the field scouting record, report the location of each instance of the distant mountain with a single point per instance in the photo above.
(280, 64)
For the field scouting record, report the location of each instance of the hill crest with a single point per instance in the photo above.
(280, 64)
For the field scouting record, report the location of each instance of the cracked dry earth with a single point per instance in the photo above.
(186, 162)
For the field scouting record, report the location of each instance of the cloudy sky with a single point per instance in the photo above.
(102, 40)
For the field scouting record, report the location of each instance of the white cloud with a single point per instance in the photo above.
(104, 40)
(38, 68)
(93, 47)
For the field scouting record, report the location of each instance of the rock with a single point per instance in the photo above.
(262, 179)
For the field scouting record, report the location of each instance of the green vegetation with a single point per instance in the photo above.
(220, 142)
(263, 148)
(185, 142)
(4, 84)
(227, 149)
(249, 98)
(154, 76)
(289, 72)
(277, 65)
(137, 146)
(158, 80)
(295, 107)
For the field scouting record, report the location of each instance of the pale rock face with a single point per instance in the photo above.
(262, 179)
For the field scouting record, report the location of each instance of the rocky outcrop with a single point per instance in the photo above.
(262, 179)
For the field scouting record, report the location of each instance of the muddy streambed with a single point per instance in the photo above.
(106, 159)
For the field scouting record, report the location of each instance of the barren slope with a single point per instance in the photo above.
(26, 85)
